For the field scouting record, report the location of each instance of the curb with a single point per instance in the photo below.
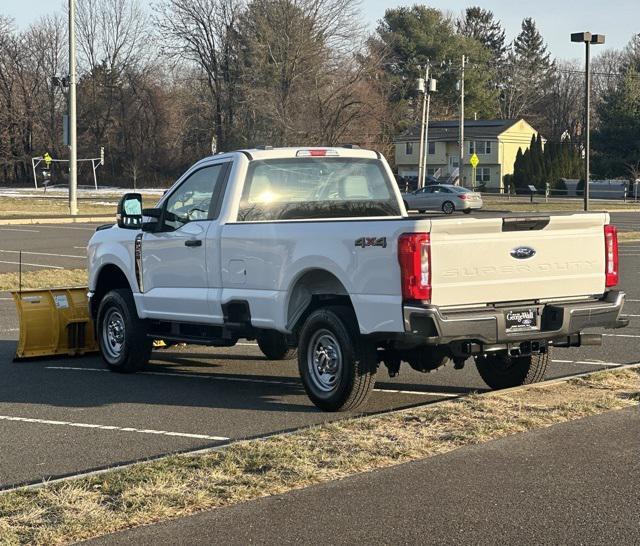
(205, 450)
(56, 220)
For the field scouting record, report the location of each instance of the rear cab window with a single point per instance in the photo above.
(316, 188)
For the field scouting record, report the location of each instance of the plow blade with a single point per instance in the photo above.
(53, 322)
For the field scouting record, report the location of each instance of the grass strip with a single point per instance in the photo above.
(179, 485)
(44, 278)
(628, 236)
(536, 206)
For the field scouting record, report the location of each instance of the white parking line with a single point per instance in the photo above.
(43, 254)
(592, 362)
(111, 427)
(54, 226)
(16, 229)
(244, 380)
(32, 265)
(423, 393)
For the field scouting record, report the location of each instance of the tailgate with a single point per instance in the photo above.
(490, 260)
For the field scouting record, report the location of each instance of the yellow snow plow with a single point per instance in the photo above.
(54, 321)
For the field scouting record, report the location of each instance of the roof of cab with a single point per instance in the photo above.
(282, 153)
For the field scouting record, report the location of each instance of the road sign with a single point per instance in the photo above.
(474, 160)
(47, 159)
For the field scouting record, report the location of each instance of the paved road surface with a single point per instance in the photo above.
(44, 246)
(62, 416)
(573, 483)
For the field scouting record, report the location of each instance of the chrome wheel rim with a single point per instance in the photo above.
(448, 208)
(324, 361)
(113, 334)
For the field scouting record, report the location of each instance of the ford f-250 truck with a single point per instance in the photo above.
(311, 250)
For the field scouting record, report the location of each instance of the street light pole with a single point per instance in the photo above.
(587, 122)
(73, 149)
(587, 38)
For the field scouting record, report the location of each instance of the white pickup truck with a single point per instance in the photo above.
(311, 250)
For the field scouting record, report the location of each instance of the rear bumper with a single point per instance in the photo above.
(473, 205)
(488, 326)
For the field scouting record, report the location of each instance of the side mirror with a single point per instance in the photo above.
(129, 214)
(153, 226)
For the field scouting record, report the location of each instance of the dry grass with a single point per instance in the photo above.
(181, 485)
(56, 206)
(45, 278)
(628, 236)
(569, 205)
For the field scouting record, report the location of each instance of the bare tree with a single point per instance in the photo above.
(203, 32)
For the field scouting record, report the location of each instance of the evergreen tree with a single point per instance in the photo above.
(481, 25)
(530, 49)
(616, 144)
(410, 37)
(525, 78)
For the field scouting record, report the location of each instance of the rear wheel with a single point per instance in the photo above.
(274, 346)
(448, 207)
(501, 371)
(122, 336)
(467, 211)
(337, 365)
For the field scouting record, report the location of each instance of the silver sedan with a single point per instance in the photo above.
(444, 197)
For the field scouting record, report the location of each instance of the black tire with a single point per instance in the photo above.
(448, 207)
(356, 366)
(122, 336)
(274, 346)
(422, 211)
(502, 371)
(467, 211)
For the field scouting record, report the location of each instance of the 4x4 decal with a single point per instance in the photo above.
(364, 242)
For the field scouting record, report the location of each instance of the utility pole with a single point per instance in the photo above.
(460, 162)
(422, 86)
(73, 149)
(429, 88)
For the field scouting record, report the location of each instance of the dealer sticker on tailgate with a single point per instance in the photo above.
(521, 319)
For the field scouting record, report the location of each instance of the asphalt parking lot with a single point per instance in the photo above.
(68, 415)
(44, 246)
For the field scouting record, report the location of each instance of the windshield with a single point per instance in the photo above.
(310, 188)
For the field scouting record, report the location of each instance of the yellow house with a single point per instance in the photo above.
(495, 141)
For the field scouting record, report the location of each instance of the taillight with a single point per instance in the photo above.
(611, 255)
(464, 196)
(414, 255)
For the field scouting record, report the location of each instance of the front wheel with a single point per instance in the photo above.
(337, 365)
(448, 207)
(122, 336)
(501, 371)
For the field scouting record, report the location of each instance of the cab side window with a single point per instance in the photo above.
(192, 200)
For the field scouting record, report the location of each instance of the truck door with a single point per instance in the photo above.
(174, 259)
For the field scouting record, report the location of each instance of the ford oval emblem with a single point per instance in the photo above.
(523, 252)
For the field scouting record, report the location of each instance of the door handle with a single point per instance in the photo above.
(193, 242)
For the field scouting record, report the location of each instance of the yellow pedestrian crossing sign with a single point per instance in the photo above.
(47, 159)
(474, 160)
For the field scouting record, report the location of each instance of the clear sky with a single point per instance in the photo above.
(556, 19)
